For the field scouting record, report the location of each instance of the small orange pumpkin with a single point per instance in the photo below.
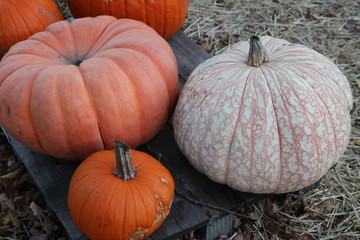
(120, 194)
(20, 19)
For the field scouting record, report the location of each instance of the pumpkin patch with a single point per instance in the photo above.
(166, 17)
(75, 88)
(270, 121)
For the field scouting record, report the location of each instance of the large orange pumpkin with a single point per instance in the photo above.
(20, 19)
(264, 122)
(75, 88)
(166, 17)
(121, 194)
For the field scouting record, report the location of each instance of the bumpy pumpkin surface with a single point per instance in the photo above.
(103, 206)
(269, 129)
(166, 17)
(20, 19)
(75, 88)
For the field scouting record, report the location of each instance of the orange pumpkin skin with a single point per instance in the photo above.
(166, 17)
(124, 89)
(103, 206)
(20, 19)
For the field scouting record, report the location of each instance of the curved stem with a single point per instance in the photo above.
(124, 168)
(257, 53)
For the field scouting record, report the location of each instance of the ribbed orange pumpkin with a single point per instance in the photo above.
(109, 199)
(77, 87)
(166, 17)
(20, 19)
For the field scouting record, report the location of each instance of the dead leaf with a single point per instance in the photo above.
(273, 227)
(357, 142)
(309, 15)
(223, 237)
(6, 178)
(205, 44)
(37, 211)
(10, 218)
(44, 220)
(6, 203)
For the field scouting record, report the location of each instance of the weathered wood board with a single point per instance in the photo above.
(52, 175)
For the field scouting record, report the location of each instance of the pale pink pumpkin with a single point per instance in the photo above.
(274, 128)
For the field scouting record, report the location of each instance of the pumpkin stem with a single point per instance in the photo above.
(64, 10)
(124, 168)
(257, 53)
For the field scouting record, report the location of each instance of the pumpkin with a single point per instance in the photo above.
(77, 87)
(121, 194)
(265, 117)
(20, 19)
(166, 17)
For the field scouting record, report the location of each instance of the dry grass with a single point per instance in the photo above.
(331, 27)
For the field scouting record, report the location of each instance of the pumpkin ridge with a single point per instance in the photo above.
(323, 101)
(295, 139)
(86, 55)
(78, 221)
(108, 206)
(144, 205)
(278, 130)
(340, 89)
(141, 113)
(23, 21)
(30, 112)
(298, 160)
(91, 98)
(164, 16)
(233, 132)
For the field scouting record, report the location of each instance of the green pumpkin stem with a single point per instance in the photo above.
(124, 167)
(257, 53)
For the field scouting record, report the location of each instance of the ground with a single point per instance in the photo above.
(331, 211)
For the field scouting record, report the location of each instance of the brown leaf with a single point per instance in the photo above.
(6, 203)
(6, 178)
(223, 237)
(273, 227)
(44, 220)
(205, 44)
(309, 15)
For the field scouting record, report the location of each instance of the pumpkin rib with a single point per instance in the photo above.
(91, 98)
(324, 104)
(331, 83)
(86, 56)
(141, 110)
(299, 163)
(227, 164)
(278, 129)
(15, 24)
(108, 208)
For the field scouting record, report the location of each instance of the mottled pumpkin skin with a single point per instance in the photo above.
(269, 129)
(124, 89)
(104, 206)
(166, 17)
(20, 19)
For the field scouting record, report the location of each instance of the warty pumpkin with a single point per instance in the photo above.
(77, 87)
(20, 19)
(166, 17)
(120, 195)
(264, 118)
